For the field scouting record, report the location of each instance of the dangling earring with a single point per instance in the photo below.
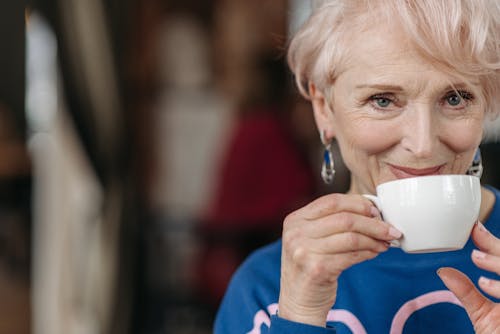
(328, 168)
(476, 169)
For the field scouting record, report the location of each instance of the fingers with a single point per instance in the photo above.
(301, 247)
(348, 242)
(491, 287)
(337, 213)
(488, 258)
(473, 301)
(349, 222)
(486, 241)
(486, 261)
(334, 203)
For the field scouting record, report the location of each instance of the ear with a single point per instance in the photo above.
(323, 114)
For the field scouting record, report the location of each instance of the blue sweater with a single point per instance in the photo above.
(393, 293)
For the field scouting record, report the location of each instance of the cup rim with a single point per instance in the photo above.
(410, 179)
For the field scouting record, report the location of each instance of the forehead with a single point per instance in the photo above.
(381, 46)
(383, 53)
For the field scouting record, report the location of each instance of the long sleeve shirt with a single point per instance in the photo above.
(395, 292)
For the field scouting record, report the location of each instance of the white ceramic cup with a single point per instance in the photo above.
(435, 213)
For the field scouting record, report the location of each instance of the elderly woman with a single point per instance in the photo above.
(404, 87)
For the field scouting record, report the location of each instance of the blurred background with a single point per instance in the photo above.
(147, 147)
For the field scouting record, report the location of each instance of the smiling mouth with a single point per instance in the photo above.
(405, 172)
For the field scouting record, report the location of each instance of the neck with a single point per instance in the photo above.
(358, 188)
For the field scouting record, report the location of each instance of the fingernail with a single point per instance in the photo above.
(478, 254)
(481, 227)
(396, 234)
(437, 271)
(395, 243)
(484, 281)
(374, 212)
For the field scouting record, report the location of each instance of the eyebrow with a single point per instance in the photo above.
(382, 87)
(395, 88)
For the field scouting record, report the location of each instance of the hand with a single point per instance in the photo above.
(320, 241)
(484, 313)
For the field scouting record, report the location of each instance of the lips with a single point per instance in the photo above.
(405, 172)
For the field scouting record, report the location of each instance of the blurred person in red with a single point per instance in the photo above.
(263, 174)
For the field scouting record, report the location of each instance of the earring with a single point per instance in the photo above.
(328, 167)
(476, 169)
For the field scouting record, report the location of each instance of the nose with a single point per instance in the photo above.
(420, 132)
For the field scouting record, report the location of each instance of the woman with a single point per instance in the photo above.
(404, 87)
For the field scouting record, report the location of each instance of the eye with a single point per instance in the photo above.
(453, 99)
(382, 101)
(457, 98)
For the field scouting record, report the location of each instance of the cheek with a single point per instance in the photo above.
(360, 139)
(369, 138)
(463, 137)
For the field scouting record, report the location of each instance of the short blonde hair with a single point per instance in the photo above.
(459, 37)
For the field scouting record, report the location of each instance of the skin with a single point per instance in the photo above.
(393, 116)
(484, 314)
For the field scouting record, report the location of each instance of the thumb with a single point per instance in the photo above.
(475, 303)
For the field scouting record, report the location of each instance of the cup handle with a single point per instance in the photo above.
(376, 201)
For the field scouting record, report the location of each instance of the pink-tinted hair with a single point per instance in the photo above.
(459, 37)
